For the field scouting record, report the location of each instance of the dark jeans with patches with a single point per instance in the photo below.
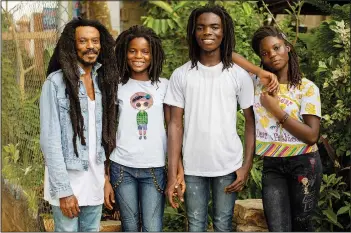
(290, 191)
(139, 193)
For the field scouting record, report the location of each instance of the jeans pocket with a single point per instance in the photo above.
(116, 174)
(158, 176)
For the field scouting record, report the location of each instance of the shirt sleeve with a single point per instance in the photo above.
(175, 90)
(246, 89)
(311, 102)
(50, 142)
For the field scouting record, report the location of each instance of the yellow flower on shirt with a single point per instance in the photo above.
(303, 85)
(261, 111)
(310, 91)
(283, 89)
(310, 109)
(264, 122)
(282, 106)
(293, 114)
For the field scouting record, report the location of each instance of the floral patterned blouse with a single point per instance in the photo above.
(273, 140)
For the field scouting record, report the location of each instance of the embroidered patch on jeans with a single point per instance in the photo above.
(304, 181)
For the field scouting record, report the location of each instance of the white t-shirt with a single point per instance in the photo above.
(141, 135)
(209, 95)
(273, 140)
(87, 186)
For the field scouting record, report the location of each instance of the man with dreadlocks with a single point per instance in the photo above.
(206, 90)
(287, 129)
(77, 119)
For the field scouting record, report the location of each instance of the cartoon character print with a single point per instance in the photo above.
(142, 101)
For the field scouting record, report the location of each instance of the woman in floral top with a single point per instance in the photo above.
(287, 129)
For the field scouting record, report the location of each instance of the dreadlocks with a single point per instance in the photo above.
(228, 42)
(65, 58)
(294, 72)
(157, 53)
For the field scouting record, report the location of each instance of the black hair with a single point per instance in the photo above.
(65, 58)
(294, 72)
(228, 42)
(157, 53)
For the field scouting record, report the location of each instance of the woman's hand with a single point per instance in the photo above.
(270, 102)
(269, 80)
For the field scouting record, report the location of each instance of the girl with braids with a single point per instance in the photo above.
(287, 129)
(137, 167)
(205, 91)
(77, 119)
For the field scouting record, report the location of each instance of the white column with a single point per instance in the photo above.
(62, 15)
(115, 7)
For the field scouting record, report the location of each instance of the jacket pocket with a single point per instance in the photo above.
(65, 124)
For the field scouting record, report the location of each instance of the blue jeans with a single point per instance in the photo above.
(140, 195)
(197, 195)
(88, 219)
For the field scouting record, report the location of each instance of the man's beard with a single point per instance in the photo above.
(85, 63)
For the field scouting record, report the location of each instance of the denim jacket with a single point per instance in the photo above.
(56, 132)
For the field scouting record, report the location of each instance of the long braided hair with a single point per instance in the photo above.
(294, 72)
(228, 42)
(65, 58)
(157, 53)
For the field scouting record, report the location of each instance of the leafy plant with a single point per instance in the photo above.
(333, 75)
(332, 197)
(175, 220)
(22, 159)
(22, 175)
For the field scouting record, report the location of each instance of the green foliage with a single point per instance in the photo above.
(337, 12)
(247, 19)
(174, 220)
(333, 78)
(334, 201)
(20, 115)
(18, 174)
(22, 159)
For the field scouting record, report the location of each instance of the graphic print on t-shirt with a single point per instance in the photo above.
(142, 101)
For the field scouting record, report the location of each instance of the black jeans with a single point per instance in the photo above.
(290, 191)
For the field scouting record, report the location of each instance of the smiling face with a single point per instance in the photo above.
(139, 55)
(87, 45)
(209, 31)
(274, 53)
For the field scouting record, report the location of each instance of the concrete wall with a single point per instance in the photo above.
(309, 21)
(130, 14)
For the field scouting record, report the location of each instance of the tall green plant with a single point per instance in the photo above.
(22, 164)
(334, 201)
(333, 77)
